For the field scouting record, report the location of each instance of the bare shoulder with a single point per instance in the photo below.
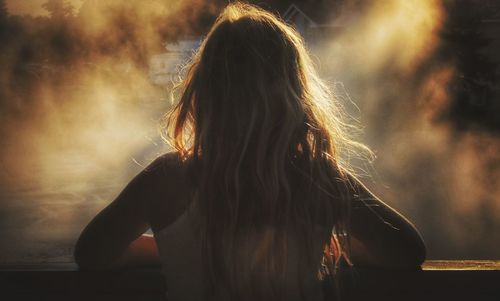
(170, 191)
(165, 162)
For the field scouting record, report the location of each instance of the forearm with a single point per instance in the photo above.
(141, 252)
(382, 236)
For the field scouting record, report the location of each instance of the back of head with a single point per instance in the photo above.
(262, 131)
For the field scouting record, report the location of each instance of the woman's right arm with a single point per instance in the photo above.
(380, 236)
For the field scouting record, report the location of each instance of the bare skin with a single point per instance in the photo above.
(157, 196)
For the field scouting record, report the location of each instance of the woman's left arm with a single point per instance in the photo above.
(114, 238)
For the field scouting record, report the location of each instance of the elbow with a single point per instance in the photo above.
(86, 262)
(413, 259)
(407, 252)
(86, 259)
(411, 255)
(403, 253)
(80, 255)
(83, 260)
(419, 252)
(413, 251)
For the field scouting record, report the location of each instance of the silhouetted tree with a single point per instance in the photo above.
(59, 9)
(473, 100)
(4, 13)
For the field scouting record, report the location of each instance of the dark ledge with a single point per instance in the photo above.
(437, 280)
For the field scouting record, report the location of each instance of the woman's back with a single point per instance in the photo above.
(379, 235)
(181, 257)
(178, 236)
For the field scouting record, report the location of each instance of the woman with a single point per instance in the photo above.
(256, 203)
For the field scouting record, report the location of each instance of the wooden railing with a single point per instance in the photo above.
(437, 280)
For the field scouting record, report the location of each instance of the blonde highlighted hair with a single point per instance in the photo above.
(262, 134)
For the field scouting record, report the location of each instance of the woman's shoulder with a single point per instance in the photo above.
(169, 188)
(167, 167)
(166, 173)
(353, 183)
(165, 162)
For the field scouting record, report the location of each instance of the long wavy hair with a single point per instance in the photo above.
(263, 133)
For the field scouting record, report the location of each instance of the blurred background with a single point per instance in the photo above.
(84, 85)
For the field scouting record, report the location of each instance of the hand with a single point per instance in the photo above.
(142, 252)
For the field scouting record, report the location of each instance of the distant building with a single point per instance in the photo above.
(491, 30)
(313, 23)
(165, 67)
